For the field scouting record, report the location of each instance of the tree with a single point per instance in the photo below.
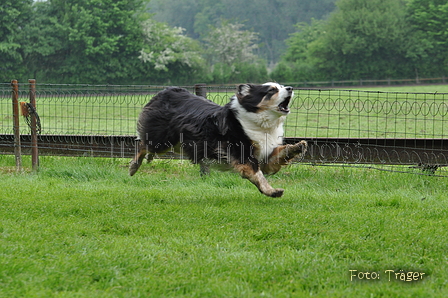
(230, 51)
(362, 39)
(273, 20)
(173, 56)
(432, 17)
(229, 44)
(13, 16)
(184, 16)
(296, 64)
(370, 39)
(429, 19)
(43, 42)
(86, 41)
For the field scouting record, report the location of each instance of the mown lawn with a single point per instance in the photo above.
(82, 227)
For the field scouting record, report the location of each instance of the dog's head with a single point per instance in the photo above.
(267, 97)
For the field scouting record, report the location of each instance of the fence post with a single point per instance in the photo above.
(16, 126)
(34, 148)
(200, 90)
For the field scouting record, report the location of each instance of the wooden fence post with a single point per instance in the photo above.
(200, 90)
(16, 126)
(34, 148)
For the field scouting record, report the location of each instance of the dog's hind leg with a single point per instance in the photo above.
(257, 178)
(149, 157)
(138, 159)
(204, 168)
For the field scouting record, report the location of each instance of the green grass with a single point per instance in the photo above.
(81, 227)
(439, 88)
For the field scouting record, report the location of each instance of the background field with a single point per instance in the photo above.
(420, 112)
(386, 112)
(82, 227)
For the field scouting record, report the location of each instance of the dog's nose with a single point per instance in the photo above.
(289, 88)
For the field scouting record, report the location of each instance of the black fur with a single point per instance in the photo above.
(252, 98)
(204, 130)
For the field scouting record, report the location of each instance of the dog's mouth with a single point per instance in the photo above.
(283, 106)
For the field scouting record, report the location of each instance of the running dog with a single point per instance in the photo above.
(246, 134)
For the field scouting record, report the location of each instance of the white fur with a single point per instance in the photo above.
(265, 129)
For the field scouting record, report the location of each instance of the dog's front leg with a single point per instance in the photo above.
(282, 155)
(255, 175)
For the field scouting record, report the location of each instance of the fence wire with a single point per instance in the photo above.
(368, 114)
(406, 130)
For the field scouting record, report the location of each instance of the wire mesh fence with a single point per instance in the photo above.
(368, 114)
(83, 109)
(341, 126)
(89, 109)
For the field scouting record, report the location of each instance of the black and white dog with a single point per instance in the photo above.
(246, 134)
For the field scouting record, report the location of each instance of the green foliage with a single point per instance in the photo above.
(364, 39)
(370, 40)
(13, 17)
(116, 42)
(172, 56)
(272, 20)
(84, 41)
(432, 16)
(222, 73)
(96, 41)
(230, 51)
(297, 63)
(229, 44)
(429, 19)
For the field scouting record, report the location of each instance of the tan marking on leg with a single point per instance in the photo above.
(137, 161)
(258, 179)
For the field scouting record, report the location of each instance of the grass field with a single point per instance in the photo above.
(438, 88)
(81, 227)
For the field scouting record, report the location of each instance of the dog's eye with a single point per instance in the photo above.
(272, 90)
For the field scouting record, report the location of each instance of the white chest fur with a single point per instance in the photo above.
(265, 129)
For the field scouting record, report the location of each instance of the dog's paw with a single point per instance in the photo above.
(277, 193)
(297, 151)
(300, 147)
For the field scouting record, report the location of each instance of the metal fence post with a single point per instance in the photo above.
(34, 148)
(16, 126)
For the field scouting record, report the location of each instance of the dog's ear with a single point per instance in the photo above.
(243, 90)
